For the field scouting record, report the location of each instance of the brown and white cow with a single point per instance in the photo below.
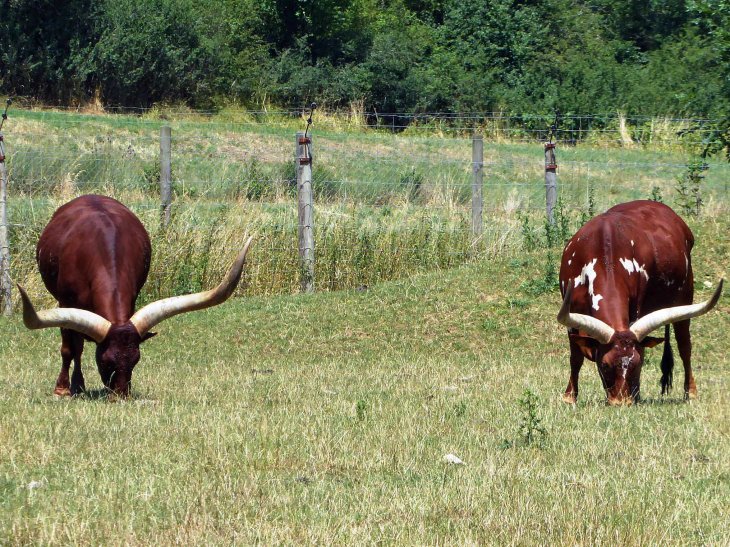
(94, 256)
(623, 275)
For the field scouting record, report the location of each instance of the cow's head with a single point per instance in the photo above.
(117, 346)
(619, 354)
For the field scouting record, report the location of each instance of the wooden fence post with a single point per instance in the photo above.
(306, 212)
(477, 158)
(5, 281)
(551, 191)
(165, 172)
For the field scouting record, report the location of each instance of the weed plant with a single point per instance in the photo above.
(531, 430)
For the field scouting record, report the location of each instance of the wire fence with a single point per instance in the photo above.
(392, 193)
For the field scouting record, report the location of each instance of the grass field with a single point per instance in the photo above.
(325, 419)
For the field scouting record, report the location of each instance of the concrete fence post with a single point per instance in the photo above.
(165, 173)
(5, 281)
(305, 207)
(477, 158)
(551, 190)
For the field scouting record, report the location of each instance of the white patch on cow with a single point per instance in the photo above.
(625, 363)
(627, 264)
(589, 274)
(641, 269)
(568, 245)
(569, 261)
(686, 265)
(632, 242)
(572, 255)
(632, 266)
(596, 298)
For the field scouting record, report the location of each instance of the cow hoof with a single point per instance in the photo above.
(691, 395)
(77, 390)
(62, 392)
(569, 399)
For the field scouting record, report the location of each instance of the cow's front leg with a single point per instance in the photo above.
(78, 385)
(72, 344)
(684, 345)
(576, 362)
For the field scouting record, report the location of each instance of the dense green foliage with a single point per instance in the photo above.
(657, 57)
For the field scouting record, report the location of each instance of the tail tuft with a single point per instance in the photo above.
(667, 365)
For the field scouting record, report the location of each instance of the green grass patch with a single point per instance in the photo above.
(325, 419)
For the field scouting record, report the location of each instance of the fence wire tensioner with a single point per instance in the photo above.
(306, 141)
(550, 162)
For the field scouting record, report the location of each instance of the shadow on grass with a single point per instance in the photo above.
(643, 401)
(662, 401)
(108, 396)
(100, 394)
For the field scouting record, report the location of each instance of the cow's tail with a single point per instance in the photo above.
(667, 364)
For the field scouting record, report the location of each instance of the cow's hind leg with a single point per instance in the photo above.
(576, 362)
(63, 384)
(684, 345)
(72, 344)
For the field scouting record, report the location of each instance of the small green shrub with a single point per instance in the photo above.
(517, 303)
(587, 215)
(689, 188)
(360, 409)
(656, 194)
(546, 282)
(529, 241)
(531, 431)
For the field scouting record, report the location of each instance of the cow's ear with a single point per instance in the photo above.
(148, 336)
(651, 341)
(584, 341)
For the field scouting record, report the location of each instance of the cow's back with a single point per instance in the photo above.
(94, 254)
(658, 221)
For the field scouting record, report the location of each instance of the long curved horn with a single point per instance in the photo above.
(659, 318)
(92, 325)
(152, 314)
(595, 328)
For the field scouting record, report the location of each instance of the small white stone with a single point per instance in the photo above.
(453, 459)
(451, 388)
(466, 378)
(708, 284)
(36, 484)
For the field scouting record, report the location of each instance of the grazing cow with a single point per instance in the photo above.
(94, 256)
(624, 274)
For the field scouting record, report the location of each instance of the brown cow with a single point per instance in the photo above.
(94, 256)
(624, 274)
